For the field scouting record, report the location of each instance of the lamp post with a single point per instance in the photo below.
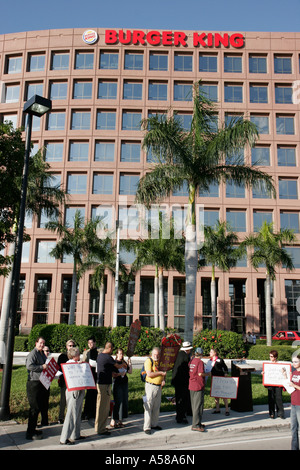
(35, 106)
(115, 314)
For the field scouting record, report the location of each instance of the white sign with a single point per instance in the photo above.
(90, 36)
(276, 373)
(224, 387)
(78, 376)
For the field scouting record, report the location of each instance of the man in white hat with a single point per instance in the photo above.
(180, 380)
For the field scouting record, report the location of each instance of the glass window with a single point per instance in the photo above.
(236, 220)
(283, 94)
(14, 64)
(288, 188)
(43, 251)
(185, 120)
(294, 252)
(36, 63)
(212, 191)
(158, 91)
(79, 152)
(286, 156)
(128, 184)
(70, 214)
(107, 90)
(82, 90)
(106, 215)
(282, 64)
(104, 151)
(56, 121)
(260, 156)
(232, 63)
(34, 89)
(133, 61)
(261, 122)
(58, 90)
(208, 63)
(289, 220)
(211, 217)
(183, 62)
(102, 183)
(209, 91)
(257, 64)
(54, 151)
(259, 191)
(285, 125)
(84, 61)
(258, 94)
(158, 61)
(183, 91)
(233, 93)
(130, 152)
(132, 90)
(235, 190)
(109, 60)
(259, 218)
(76, 183)
(60, 61)
(12, 93)
(80, 120)
(106, 120)
(131, 120)
(182, 191)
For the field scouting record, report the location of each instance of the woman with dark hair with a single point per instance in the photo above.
(218, 368)
(275, 393)
(120, 391)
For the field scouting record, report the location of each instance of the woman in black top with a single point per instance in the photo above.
(218, 368)
(120, 391)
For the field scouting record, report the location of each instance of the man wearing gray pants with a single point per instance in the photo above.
(155, 380)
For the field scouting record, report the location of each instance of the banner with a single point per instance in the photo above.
(134, 334)
(170, 347)
(48, 374)
(78, 376)
(276, 373)
(224, 387)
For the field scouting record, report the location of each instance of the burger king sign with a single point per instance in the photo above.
(90, 36)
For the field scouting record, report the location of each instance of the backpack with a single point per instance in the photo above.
(143, 373)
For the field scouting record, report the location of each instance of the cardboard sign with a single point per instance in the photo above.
(224, 387)
(48, 374)
(78, 376)
(276, 373)
(134, 334)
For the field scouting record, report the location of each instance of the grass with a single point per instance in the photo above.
(19, 404)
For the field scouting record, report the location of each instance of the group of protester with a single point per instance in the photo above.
(188, 378)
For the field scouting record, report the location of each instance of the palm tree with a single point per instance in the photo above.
(195, 158)
(77, 241)
(219, 249)
(268, 250)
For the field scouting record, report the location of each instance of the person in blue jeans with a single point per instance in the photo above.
(295, 403)
(120, 391)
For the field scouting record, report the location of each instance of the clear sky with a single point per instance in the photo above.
(195, 15)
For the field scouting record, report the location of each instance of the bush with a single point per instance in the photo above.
(21, 343)
(229, 345)
(261, 352)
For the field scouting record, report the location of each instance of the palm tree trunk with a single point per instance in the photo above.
(191, 266)
(268, 311)
(73, 296)
(101, 304)
(161, 300)
(213, 299)
(156, 288)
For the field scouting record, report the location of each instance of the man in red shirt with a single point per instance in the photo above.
(295, 403)
(196, 387)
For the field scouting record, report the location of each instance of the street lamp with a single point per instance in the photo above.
(35, 106)
(115, 314)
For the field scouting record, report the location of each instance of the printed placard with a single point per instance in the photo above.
(78, 376)
(276, 373)
(224, 387)
(48, 374)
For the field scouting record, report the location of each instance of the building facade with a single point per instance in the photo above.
(102, 83)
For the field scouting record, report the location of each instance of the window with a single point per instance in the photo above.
(289, 220)
(233, 93)
(158, 91)
(133, 61)
(234, 190)
(102, 183)
(80, 120)
(82, 90)
(294, 252)
(56, 121)
(260, 156)
(128, 184)
(183, 62)
(183, 91)
(211, 217)
(76, 183)
(182, 190)
(106, 213)
(212, 191)
(158, 62)
(283, 94)
(259, 217)
(257, 64)
(285, 125)
(261, 122)
(34, 89)
(60, 61)
(109, 60)
(58, 90)
(232, 63)
(14, 64)
(12, 93)
(107, 90)
(132, 90)
(282, 64)
(259, 191)
(70, 214)
(106, 120)
(43, 251)
(210, 91)
(79, 152)
(208, 63)
(131, 120)
(104, 151)
(288, 188)
(185, 120)
(236, 220)
(286, 156)
(258, 94)
(54, 151)
(130, 151)
(84, 61)
(36, 63)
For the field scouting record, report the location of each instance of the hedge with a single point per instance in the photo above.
(229, 345)
(261, 352)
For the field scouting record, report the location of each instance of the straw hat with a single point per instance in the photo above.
(186, 345)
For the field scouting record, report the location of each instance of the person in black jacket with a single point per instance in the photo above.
(180, 380)
(89, 411)
(218, 368)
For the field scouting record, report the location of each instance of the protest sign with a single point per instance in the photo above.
(48, 374)
(276, 373)
(135, 331)
(170, 347)
(224, 387)
(78, 376)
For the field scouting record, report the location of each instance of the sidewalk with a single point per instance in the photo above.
(132, 437)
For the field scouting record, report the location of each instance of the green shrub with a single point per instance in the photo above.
(261, 352)
(21, 343)
(229, 345)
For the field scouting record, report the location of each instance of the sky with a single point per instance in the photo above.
(184, 15)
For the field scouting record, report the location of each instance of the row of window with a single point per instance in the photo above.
(157, 90)
(158, 61)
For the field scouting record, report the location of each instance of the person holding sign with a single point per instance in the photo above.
(120, 391)
(218, 368)
(275, 393)
(71, 428)
(295, 403)
(196, 387)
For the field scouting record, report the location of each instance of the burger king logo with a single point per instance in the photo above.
(90, 36)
